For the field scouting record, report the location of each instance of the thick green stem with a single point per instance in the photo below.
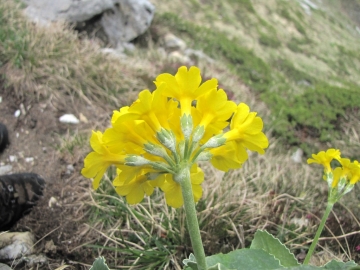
(192, 222)
(317, 235)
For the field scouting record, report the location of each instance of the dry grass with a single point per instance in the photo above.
(270, 192)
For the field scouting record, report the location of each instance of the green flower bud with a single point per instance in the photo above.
(186, 125)
(215, 141)
(204, 156)
(167, 139)
(155, 150)
(134, 160)
(198, 134)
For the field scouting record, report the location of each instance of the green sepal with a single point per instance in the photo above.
(99, 264)
(265, 241)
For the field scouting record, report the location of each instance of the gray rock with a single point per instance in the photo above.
(16, 244)
(173, 43)
(4, 267)
(297, 155)
(4, 169)
(127, 20)
(69, 119)
(121, 20)
(197, 55)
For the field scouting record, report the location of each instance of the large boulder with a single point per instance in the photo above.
(121, 20)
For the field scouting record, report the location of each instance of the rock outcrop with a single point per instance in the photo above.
(121, 20)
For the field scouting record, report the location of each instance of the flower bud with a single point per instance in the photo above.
(215, 141)
(155, 150)
(198, 134)
(134, 160)
(167, 139)
(186, 125)
(204, 156)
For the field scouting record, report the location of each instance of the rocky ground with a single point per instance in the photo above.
(38, 144)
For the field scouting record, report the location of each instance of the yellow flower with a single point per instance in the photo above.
(325, 158)
(184, 86)
(338, 173)
(134, 186)
(213, 111)
(129, 136)
(351, 170)
(246, 132)
(172, 189)
(97, 162)
(228, 156)
(152, 138)
(154, 108)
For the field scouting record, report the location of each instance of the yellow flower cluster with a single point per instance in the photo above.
(341, 179)
(160, 138)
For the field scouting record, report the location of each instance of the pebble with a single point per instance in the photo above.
(13, 158)
(69, 119)
(17, 113)
(16, 244)
(297, 156)
(69, 169)
(29, 159)
(4, 169)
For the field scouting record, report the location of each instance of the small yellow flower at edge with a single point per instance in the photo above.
(325, 158)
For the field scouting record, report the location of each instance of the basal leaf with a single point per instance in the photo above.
(99, 264)
(265, 241)
(245, 259)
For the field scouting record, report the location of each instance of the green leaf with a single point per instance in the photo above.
(336, 265)
(333, 265)
(99, 264)
(219, 266)
(301, 267)
(265, 241)
(244, 259)
(191, 262)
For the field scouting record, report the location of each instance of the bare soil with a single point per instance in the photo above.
(58, 221)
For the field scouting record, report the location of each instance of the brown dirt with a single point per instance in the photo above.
(59, 227)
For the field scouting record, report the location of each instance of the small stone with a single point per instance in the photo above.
(69, 169)
(22, 109)
(297, 156)
(172, 42)
(17, 113)
(178, 56)
(5, 169)
(33, 260)
(50, 247)
(83, 118)
(29, 159)
(69, 119)
(13, 158)
(16, 244)
(53, 202)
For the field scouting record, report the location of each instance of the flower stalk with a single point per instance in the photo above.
(192, 222)
(327, 212)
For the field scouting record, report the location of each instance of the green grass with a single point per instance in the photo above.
(146, 236)
(308, 110)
